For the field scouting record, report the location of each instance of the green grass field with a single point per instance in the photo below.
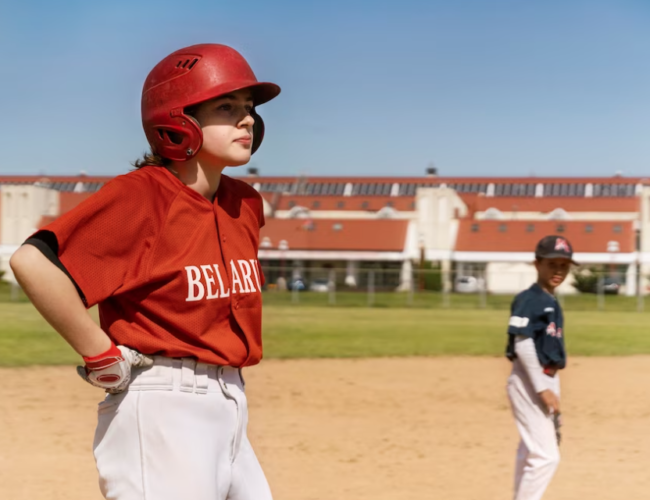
(436, 300)
(316, 330)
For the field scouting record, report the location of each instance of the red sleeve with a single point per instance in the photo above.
(104, 241)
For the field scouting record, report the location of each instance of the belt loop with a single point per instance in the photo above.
(187, 375)
(222, 383)
(201, 378)
(176, 373)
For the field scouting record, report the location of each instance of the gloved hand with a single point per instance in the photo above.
(111, 370)
(557, 423)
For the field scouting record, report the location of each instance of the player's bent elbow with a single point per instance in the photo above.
(16, 261)
(24, 259)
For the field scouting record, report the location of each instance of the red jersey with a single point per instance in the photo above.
(173, 273)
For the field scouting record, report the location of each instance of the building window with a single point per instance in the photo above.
(407, 189)
(475, 228)
(389, 203)
(413, 205)
(315, 204)
(589, 228)
(559, 228)
(340, 204)
(364, 205)
(503, 228)
(292, 203)
(617, 228)
(530, 228)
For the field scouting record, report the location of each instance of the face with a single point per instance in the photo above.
(227, 127)
(552, 272)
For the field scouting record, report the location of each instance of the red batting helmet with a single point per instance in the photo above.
(190, 76)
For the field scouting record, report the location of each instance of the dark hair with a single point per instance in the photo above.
(151, 159)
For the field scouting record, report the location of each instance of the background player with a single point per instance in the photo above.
(169, 253)
(536, 349)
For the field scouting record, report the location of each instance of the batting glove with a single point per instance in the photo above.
(111, 370)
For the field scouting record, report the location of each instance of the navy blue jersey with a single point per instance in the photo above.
(536, 314)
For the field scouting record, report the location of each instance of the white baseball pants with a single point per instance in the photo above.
(178, 432)
(538, 455)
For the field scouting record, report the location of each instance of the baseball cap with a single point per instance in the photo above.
(553, 247)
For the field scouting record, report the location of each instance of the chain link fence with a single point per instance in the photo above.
(584, 288)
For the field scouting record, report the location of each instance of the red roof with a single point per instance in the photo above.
(548, 204)
(522, 236)
(452, 180)
(471, 200)
(361, 179)
(53, 178)
(329, 234)
(358, 202)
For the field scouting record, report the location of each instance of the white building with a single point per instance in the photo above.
(471, 226)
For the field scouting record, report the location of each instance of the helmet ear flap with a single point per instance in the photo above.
(258, 131)
(193, 136)
(179, 139)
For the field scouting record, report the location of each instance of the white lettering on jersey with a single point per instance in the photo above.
(257, 274)
(202, 280)
(224, 293)
(194, 284)
(235, 278)
(246, 276)
(209, 280)
(518, 321)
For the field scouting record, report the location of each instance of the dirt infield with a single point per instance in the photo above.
(381, 429)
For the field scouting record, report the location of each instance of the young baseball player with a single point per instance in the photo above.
(168, 252)
(536, 349)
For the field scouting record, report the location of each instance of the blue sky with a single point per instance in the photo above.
(498, 87)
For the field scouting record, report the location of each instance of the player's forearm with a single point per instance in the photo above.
(527, 355)
(56, 298)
